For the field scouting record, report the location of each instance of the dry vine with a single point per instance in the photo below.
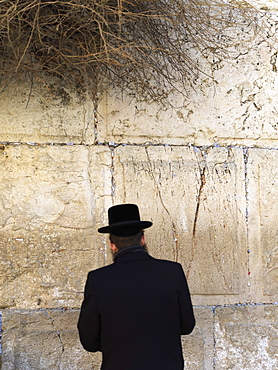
(88, 42)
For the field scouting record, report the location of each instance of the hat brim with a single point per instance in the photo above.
(125, 224)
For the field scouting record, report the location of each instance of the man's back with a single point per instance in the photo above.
(135, 311)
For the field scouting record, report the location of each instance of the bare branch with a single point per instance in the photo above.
(118, 40)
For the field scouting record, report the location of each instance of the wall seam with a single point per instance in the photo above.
(114, 145)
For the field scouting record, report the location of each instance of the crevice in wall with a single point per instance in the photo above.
(273, 61)
(112, 170)
(231, 305)
(174, 228)
(246, 184)
(58, 335)
(95, 104)
(85, 129)
(213, 308)
(57, 331)
(202, 170)
(144, 145)
(90, 118)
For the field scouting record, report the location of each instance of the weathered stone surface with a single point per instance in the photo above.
(235, 337)
(52, 200)
(40, 112)
(48, 339)
(262, 170)
(198, 346)
(213, 208)
(233, 103)
(44, 339)
(246, 337)
(263, 4)
(196, 200)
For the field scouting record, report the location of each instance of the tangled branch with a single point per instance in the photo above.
(90, 42)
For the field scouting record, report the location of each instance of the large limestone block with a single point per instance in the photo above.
(196, 200)
(237, 98)
(262, 170)
(124, 118)
(246, 337)
(198, 346)
(233, 102)
(52, 200)
(45, 340)
(48, 339)
(45, 113)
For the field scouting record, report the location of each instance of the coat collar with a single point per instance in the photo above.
(131, 253)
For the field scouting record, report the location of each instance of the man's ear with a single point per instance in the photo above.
(143, 240)
(113, 247)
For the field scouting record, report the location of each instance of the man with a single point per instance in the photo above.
(135, 310)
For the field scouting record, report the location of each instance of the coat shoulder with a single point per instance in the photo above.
(169, 263)
(100, 270)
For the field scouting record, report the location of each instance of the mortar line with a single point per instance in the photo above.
(212, 306)
(115, 144)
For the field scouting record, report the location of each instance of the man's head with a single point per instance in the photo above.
(125, 226)
(124, 220)
(119, 242)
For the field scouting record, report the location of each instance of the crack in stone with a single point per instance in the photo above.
(88, 119)
(112, 170)
(246, 182)
(202, 169)
(174, 228)
(95, 100)
(58, 335)
(202, 184)
(273, 61)
(213, 308)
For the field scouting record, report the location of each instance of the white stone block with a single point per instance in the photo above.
(45, 113)
(196, 200)
(246, 337)
(52, 200)
(262, 170)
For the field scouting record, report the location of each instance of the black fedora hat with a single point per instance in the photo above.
(124, 220)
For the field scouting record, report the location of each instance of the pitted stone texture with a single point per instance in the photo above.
(246, 337)
(48, 339)
(262, 170)
(196, 200)
(45, 340)
(233, 103)
(125, 119)
(263, 4)
(43, 113)
(198, 346)
(52, 200)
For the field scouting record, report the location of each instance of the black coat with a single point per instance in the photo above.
(134, 312)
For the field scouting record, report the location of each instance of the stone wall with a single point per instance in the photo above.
(203, 169)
